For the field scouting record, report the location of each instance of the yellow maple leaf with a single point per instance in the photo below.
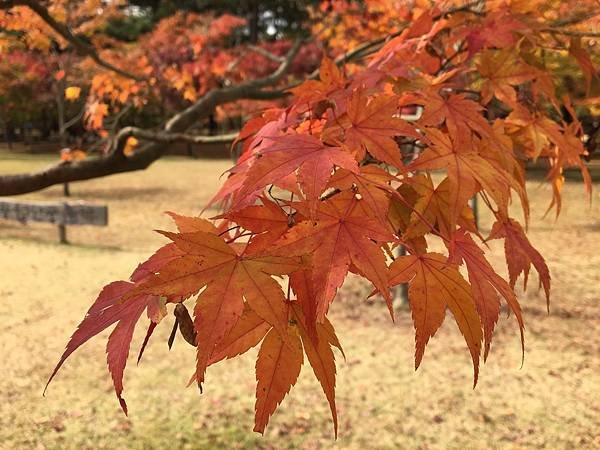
(130, 146)
(72, 93)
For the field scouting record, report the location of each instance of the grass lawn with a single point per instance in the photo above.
(553, 401)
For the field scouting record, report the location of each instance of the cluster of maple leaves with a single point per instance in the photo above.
(323, 188)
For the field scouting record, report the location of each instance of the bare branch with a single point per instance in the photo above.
(249, 90)
(372, 46)
(573, 20)
(168, 138)
(267, 54)
(63, 30)
(573, 33)
(112, 163)
(76, 118)
(174, 130)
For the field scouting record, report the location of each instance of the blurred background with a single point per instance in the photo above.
(57, 104)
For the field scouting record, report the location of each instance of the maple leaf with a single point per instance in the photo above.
(249, 330)
(229, 277)
(331, 80)
(320, 356)
(301, 283)
(461, 116)
(305, 153)
(503, 69)
(584, 61)
(187, 224)
(277, 369)
(271, 123)
(544, 136)
(370, 123)
(170, 252)
(568, 151)
(269, 221)
(435, 285)
(532, 130)
(499, 29)
(499, 151)
(486, 284)
(341, 234)
(72, 93)
(247, 333)
(162, 256)
(433, 208)
(108, 309)
(373, 185)
(467, 170)
(520, 254)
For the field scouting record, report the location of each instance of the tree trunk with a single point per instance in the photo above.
(253, 22)
(60, 111)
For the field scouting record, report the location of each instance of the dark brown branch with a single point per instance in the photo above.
(573, 33)
(79, 170)
(267, 54)
(73, 120)
(168, 138)
(63, 30)
(251, 89)
(574, 19)
(372, 46)
(116, 162)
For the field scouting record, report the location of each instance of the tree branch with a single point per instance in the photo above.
(250, 90)
(63, 30)
(573, 33)
(174, 130)
(76, 118)
(370, 47)
(267, 54)
(168, 138)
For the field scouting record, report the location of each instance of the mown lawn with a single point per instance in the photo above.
(553, 401)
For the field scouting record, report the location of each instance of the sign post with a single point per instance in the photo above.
(59, 213)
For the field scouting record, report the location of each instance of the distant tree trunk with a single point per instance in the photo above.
(475, 209)
(9, 132)
(60, 111)
(45, 125)
(253, 22)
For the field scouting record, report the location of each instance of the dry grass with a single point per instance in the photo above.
(552, 402)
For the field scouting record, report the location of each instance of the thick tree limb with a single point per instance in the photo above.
(174, 130)
(168, 138)
(250, 90)
(63, 30)
(86, 169)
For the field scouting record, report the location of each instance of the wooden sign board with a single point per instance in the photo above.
(59, 213)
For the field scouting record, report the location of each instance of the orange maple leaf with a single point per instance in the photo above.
(520, 254)
(467, 171)
(284, 155)
(340, 235)
(229, 276)
(435, 285)
(371, 124)
(486, 284)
